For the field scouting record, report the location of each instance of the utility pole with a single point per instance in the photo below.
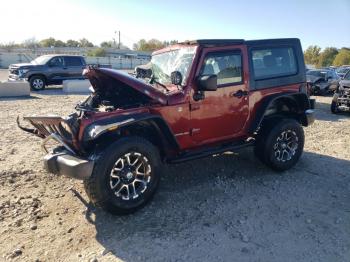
(115, 44)
(119, 40)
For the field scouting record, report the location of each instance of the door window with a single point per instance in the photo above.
(73, 61)
(56, 62)
(274, 62)
(227, 67)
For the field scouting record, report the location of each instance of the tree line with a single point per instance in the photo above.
(330, 56)
(141, 45)
(313, 54)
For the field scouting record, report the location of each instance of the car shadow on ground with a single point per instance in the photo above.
(16, 98)
(228, 206)
(57, 91)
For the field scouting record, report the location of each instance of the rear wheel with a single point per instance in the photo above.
(280, 144)
(37, 83)
(125, 176)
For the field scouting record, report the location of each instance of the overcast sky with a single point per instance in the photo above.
(325, 23)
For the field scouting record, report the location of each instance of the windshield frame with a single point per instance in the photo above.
(190, 50)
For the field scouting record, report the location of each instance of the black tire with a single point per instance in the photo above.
(270, 141)
(324, 92)
(37, 83)
(334, 107)
(99, 186)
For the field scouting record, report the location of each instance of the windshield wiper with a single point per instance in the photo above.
(153, 80)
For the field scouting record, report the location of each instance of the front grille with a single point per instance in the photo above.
(49, 125)
(13, 71)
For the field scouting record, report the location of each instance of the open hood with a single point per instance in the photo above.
(103, 78)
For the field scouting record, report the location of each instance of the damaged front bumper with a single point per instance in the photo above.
(67, 164)
(65, 159)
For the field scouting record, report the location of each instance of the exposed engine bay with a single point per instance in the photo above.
(110, 94)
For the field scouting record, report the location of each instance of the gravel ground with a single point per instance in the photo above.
(224, 208)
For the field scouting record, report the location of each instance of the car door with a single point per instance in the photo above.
(74, 66)
(56, 70)
(222, 114)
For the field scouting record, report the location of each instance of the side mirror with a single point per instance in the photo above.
(176, 78)
(208, 83)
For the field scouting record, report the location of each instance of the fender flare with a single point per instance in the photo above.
(300, 99)
(37, 74)
(100, 127)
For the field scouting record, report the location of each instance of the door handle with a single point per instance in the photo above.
(239, 94)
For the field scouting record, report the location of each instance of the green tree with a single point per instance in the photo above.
(52, 42)
(106, 44)
(312, 54)
(85, 43)
(150, 45)
(342, 58)
(111, 44)
(327, 56)
(48, 42)
(72, 43)
(59, 43)
(98, 52)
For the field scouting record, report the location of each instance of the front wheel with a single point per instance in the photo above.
(125, 176)
(37, 83)
(280, 144)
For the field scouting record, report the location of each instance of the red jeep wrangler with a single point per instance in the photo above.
(202, 98)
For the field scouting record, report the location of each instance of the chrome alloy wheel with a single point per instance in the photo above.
(286, 145)
(130, 176)
(38, 83)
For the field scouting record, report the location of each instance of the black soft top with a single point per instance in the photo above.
(221, 42)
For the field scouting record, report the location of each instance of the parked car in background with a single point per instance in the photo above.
(48, 70)
(341, 71)
(322, 81)
(204, 97)
(341, 98)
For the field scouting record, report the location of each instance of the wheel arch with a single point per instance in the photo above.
(291, 105)
(38, 74)
(148, 126)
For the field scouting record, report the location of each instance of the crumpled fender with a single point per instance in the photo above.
(103, 126)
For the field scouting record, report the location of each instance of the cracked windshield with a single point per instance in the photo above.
(176, 60)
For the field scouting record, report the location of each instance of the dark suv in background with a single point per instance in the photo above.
(48, 70)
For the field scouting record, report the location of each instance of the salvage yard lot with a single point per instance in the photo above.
(223, 208)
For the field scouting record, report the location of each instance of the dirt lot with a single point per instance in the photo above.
(224, 208)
